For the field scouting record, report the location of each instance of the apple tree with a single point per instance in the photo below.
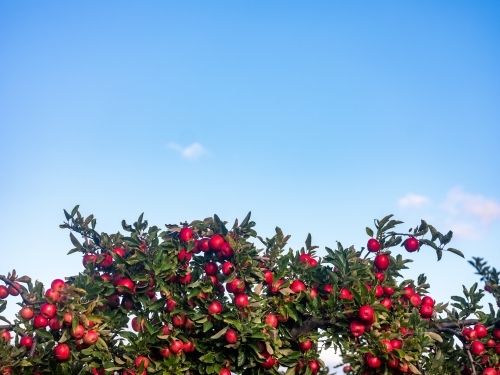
(204, 298)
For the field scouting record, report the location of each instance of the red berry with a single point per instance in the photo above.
(373, 245)
(186, 235)
(411, 244)
(381, 262)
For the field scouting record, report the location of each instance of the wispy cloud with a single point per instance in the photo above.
(192, 152)
(458, 202)
(465, 230)
(413, 201)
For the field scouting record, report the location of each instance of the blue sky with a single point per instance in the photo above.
(316, 116)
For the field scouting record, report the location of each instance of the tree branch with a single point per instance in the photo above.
(20, 290)
(7, 326)
(461, 323)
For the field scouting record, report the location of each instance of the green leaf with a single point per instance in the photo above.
(455, 251)
(369, 232)
(308, 241)
(75, 242)
(219, 334)
(434, 336)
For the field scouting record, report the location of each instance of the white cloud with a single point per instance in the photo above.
(461, 203)
(412, 200)
(193, 152)
(465, 230)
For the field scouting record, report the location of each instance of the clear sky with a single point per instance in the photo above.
(316, 116)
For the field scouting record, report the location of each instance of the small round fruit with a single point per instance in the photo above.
(227, 268)
(241, 300)
(272, 320)
(357, 328)
(26, 341)
(366, 314)
(381, 262)
(186, 235)
(40, 322)
(216, 242)
(90, 338)
(481, 331)
(373, 245)
(372, 361)
(298, 286)
(411, 244)
(225, 371)
(4, 292)
(142, 360)
(48, 310)
(13, 291)
(231, 336)
(5, 336)
(62, 352)
(304, 346)
(426, 311)
(314, 366)
(428, 301)
(477, 348)
(215, 308)
(211, 268)
(27, 313)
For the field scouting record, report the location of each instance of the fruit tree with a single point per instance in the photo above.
(206, 298)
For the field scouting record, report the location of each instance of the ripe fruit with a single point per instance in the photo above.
(380, 276)
(176, 346)
(381, 262)
(426, 311)
(236, 286)
(58, 285)
(188, 347)
(373, 245)
(304, 346)
(328, 289)
(269, 361)
(387, 345)
(225, 371)
(4, 292)
(106, 261)
(428, 301)
(186, 279)
(48, 310)
(345, 294)
(55, 324)
(231, 336)
(366, 314)
(142, 360)
(489, 371)
(387, 303)
(203, 245)
(179, 320)
(13, 291)
(415, 300)
(388, 290)
(215, 308)
(408, 292)
(314, 366)
(119, 251)
(136, 326)
(357, 328)
(52, 295)
(211, 268)
(26, 341)
(227, 268)
(40, 322)
(186, 235)
(411, 244)
(477, 348)
(272, 320)
(90, 338)
(304, 258)
(89, 259)
(184, 256)
(481, 331)
(124, 286)
(241, 300)
(27, 313)
(226, 251)
(216, 242)
(165, 351)
(5, 336)
(297, 286)
(275, 288)
(396, 344)
(379, 291)
(62, 352)
(372, 361)
(78, 332)
(170, 305)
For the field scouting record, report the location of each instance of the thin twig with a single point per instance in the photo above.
(20, 290)
(471, 362)
(33, 348)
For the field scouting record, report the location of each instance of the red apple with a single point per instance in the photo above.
(226, 251)
(345, 294)
(366, 314)
(304, 346)
(477, 348)
(314, 366)
(26, 341)
(298, 286)
(481, 331)
(381, 262)
(211, 268)
(119, 251)
(142, 360)
(55, 324)
(411, 244)
(58, 285)
(90, 338)
(241, 300)
(372, 361)
(78, 332)
(176, 346)
(224, 371)
(272, 320)
(357, 328)
(27, 313)
(231, 336)
(178, 320)
(40, 322)
(13, 291)
(89, 259)
(426, 311)
(186, 235)
(170, 305)
(48, 310)
(227, 268)
(373, 245)
(216, 242)
(4, 292)
(5, 336)
(62, 352)
(215, 308)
